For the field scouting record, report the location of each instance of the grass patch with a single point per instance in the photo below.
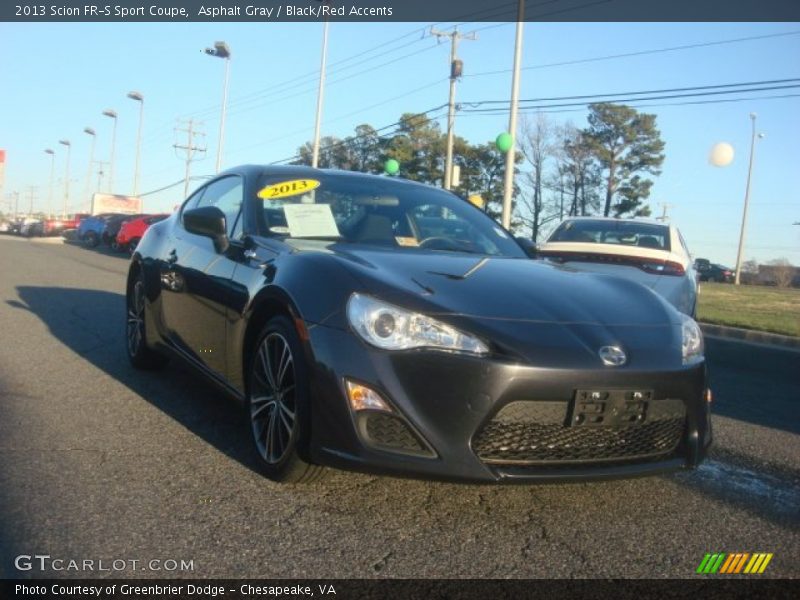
(750, 307)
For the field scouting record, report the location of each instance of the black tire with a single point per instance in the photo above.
(277, 407)
(140, 355)
(91, 239)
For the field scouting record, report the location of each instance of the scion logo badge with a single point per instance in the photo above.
(734, 563)
(612, 356)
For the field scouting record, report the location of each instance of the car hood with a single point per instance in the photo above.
(539, 311)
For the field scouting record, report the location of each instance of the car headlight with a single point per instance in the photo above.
(392, 328)
(692, 340)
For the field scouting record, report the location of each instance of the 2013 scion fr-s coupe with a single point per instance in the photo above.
(381, 325)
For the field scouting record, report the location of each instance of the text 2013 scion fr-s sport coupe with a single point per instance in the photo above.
(381, 325)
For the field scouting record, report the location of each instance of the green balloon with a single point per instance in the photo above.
(504, 142)
(391, 166)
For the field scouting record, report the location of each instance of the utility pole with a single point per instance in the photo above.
(189, 148)
(100, 164)
(511, 153)
(746, 197)
(456, 70)
(664, 207)
(15, 194)
(31, 197)
(320, 95)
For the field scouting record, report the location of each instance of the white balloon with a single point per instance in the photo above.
(721, 155)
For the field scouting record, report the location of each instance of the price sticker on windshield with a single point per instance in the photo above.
(286, 189)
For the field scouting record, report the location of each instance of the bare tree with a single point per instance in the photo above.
(782, 272)
(749, 274)
(538, 147)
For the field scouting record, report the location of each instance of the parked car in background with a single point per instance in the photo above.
(90, 229)
(649, 252)
(31, 227)
(57, 226)
(5, 226)
(132, 231)
(386, 326)
(14, 226)
(112, 227)
(708, 271)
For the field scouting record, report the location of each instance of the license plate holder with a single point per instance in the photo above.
(609, 408)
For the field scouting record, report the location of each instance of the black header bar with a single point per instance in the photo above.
(376, 11)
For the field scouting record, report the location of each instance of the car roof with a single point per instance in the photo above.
(306, 171)
(619, 219)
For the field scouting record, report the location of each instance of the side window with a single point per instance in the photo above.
(683, 243)
(192, 201)
(227, 195)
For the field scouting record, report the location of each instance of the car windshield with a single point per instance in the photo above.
(380, 212)
(618, 232)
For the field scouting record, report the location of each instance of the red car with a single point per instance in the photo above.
(57, 226)
(132, 231)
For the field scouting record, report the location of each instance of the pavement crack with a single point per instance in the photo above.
(380, 564)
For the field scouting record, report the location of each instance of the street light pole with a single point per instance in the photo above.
(320, 95)
(221, 50)
(508, 181)
(66, 177)
(52, 154)
(87, 185)
(456, 68)
(113, 115)
(746, 196)
(140, 99)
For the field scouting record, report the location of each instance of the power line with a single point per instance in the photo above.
(341, 117)
(639, 53)
(660, 105)
(189, 149)
(660, 91)
(308, 78)
(357, 137)
(255, 96)
(612, 98)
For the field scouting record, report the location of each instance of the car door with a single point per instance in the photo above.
(196, 279)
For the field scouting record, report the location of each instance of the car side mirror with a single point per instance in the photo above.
(208, 221)
(529, 246)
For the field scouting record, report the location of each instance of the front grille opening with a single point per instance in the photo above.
(524, 441)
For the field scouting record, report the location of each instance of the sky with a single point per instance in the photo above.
(58, 78)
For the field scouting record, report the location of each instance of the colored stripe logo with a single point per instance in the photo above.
(734, 563)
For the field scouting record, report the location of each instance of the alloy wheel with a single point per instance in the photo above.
(136, 318)
(272, 404)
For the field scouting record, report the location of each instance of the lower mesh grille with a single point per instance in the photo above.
(390, 432)
(524, 442)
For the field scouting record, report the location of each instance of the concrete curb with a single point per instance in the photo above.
(750, 335)
(46, 240)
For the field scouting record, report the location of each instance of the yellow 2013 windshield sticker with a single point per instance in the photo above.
(285, 189)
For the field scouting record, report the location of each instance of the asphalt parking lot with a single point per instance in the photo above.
(100, 462)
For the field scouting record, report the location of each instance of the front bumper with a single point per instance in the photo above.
(448, 403)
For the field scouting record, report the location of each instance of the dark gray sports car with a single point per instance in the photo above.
(380, 325)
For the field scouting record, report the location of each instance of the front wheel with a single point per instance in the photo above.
(140, 355)
(278, 404)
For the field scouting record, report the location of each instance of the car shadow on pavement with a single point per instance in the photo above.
(100, 249)
(91, 323)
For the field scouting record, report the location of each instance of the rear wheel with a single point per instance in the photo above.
(278, 404)
(140, 355)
